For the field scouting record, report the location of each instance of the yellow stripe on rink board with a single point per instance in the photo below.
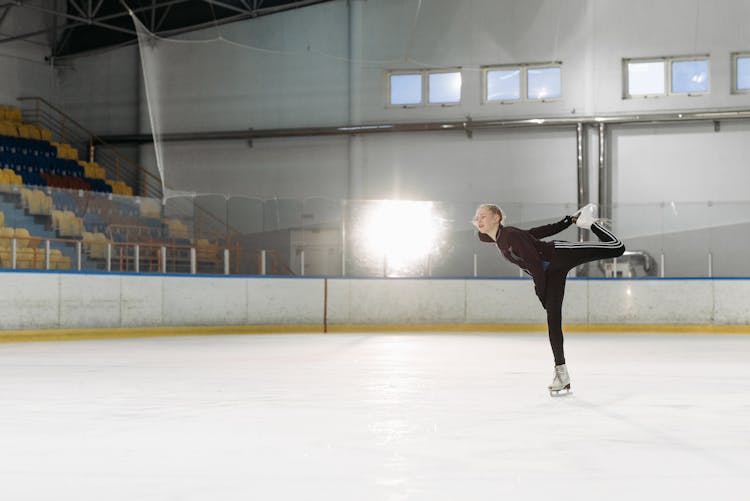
(593, 328)
(135, 332)
(209, 330)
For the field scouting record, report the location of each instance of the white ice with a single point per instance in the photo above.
(429, 416)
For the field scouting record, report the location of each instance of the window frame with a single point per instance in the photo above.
(667, 60)
(502, 67)
(626, 76)
(424, 75)
(526, 79)
(701, 57)
(390, 73)
(523, 82)
(735, 57)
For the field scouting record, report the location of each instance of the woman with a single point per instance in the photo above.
(548, 263)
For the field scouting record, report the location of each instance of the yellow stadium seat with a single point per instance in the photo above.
(149, 207)
(58, 261)
(13, 113)
(206, 250)
(2, 219)
(43, 204)
(68, 224)
(5, 258)
(95, 244)
(25, 196)
(23, 238)
(8, 129)
(40, 258)
(24, 258)
(6, 235)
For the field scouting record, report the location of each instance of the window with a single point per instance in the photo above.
(741, 67)
(409, 88)
(405, 88)
(646, 78)
(649, 77)
(503, 84)
(690, 76)
(530, 82)
(544, 83)
(445, 87)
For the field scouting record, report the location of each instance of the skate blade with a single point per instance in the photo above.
(558, 393)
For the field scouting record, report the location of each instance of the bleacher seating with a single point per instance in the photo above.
(27, 150)
(32, 168)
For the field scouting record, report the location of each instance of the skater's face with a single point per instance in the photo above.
(487, 221)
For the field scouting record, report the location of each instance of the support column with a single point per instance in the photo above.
(582, 166)
(605, 174)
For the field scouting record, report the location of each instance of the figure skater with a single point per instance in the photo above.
(548, 263)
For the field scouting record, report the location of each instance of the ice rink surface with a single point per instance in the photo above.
(376, 417)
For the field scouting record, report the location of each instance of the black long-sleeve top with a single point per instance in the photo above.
(525, 249)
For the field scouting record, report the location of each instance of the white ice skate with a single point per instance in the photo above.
(560, 382)
(586, 216)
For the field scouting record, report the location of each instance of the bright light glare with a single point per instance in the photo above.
(404, 232)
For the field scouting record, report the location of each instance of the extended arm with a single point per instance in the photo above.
(551, 229)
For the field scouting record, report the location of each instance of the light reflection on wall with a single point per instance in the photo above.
(394, 237)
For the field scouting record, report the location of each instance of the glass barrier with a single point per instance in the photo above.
(58, 229)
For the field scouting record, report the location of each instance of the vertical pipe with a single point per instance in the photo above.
(137, 258)
(302, 263)
(163, 255)
(13, 253)
(226, 261)
(78, 255)
(475, 264)
(661, 265)
(109, 256)
(193, 262)
(710, 265)
(344, 214)
(263, 262)
(46, 255)
(605, 175)
(355, 46)
(582, 169)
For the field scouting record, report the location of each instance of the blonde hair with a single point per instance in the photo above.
(492, 208)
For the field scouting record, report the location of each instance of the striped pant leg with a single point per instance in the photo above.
(568, 255)
(571, 254)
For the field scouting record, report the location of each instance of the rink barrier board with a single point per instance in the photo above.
(77, 305)
(221, 330)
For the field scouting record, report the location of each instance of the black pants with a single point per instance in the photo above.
(567, 256)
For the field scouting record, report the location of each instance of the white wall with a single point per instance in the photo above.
(299, 66)
(70, 300)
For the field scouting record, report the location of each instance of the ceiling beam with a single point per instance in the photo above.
(83, 20)
(96, 9)
(228, 7)
(5, 13)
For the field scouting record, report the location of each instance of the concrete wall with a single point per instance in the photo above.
(23, 68)
(71, 300)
